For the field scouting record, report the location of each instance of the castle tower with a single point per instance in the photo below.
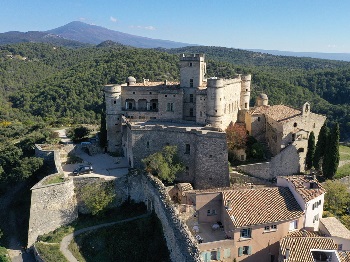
(113, 118)
(262, 100)
(245, 91)
(192, 76)
(215, 105)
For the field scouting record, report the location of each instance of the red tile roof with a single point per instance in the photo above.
(261, 206)
(344, 256)
(335, 228)
(300, 247)
(301, 183)
(278, 113)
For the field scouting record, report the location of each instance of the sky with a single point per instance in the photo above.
(286, 25)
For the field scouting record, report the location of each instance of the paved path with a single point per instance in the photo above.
(67, 239)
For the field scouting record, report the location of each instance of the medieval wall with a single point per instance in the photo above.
(287, 162)
(52, 206)
(203, 152)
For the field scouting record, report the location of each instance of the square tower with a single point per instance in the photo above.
(192, 70)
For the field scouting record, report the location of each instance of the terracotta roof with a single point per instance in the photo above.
(300, 247)
(279, 113)
(344, 256)
(303, 233)
(301, 184)
(261, 206)
(335, 228)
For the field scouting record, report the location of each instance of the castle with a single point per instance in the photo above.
(141, 118)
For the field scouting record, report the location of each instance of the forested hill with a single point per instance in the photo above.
(60, 85)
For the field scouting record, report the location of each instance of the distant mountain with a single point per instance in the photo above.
(329, 56)
(93, 34)
(15, 37)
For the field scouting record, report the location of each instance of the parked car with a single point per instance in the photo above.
(83, 170)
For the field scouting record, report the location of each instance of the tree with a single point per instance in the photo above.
(331, 155)
(310, 150)
(164, 164)
(236, 137)
(337, 198)
(78, 133)
(321, 146)
(97, 196)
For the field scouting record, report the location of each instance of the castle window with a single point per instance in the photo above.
(295, 124)
(200, 113)
(300, 150)
(187, 170)
(191, 111)
(133, 93)
(188, 149)
(166, 95)
(190, 64)
(191, 98)
(245, 105)
(314, 125)
(246, 233)
(114, 102)
(147, 144)
(150, 93)
(210, 156)
(170, 107)
(259, 118)
(174, 95)
(191, 82)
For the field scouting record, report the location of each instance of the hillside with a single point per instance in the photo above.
(79, 34)
(65, 85)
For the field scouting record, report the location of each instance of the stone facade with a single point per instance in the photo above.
(206, 105)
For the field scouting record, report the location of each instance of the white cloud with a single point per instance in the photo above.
(332, 46)
(82, 18)
(113, 19)
(143, 27)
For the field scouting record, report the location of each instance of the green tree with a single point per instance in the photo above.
(164, 164)
(310, 150)
(337, 198)
(97, 196)
(331, 156)
(78, 133)
(321, 146)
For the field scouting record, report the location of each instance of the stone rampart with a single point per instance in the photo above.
(148, 189)
(287, 162)
(52, 206)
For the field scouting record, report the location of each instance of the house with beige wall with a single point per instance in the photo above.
(333, 228)
(309, 193)
(251, 222)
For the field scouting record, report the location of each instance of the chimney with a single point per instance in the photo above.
(286, 256)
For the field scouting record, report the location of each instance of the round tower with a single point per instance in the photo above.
(245, 91)
(113, 117)
(215, 102)
(262, 100)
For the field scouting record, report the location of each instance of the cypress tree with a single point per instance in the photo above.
(331, 156)
(310, 150)
(321, 146)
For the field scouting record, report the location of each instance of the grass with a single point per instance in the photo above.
(59, 178)
(113, 243)
(344, 152)
(4, 257)
(52, 239)
(343, 171)
(50, 252)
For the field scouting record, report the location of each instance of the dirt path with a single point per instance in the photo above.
(67, 239)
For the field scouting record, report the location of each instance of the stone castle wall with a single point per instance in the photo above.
(55, 205)
(203, 152)
(287, 162)
(52, 206)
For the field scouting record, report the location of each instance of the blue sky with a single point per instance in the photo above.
(289, 25)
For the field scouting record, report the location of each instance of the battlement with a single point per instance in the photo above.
(192, 57)
(174, 127)
(246, 77)
(217, 82)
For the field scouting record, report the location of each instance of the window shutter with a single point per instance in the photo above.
(218, 254)
(249, 250)
(227, 253)
(240, 251)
